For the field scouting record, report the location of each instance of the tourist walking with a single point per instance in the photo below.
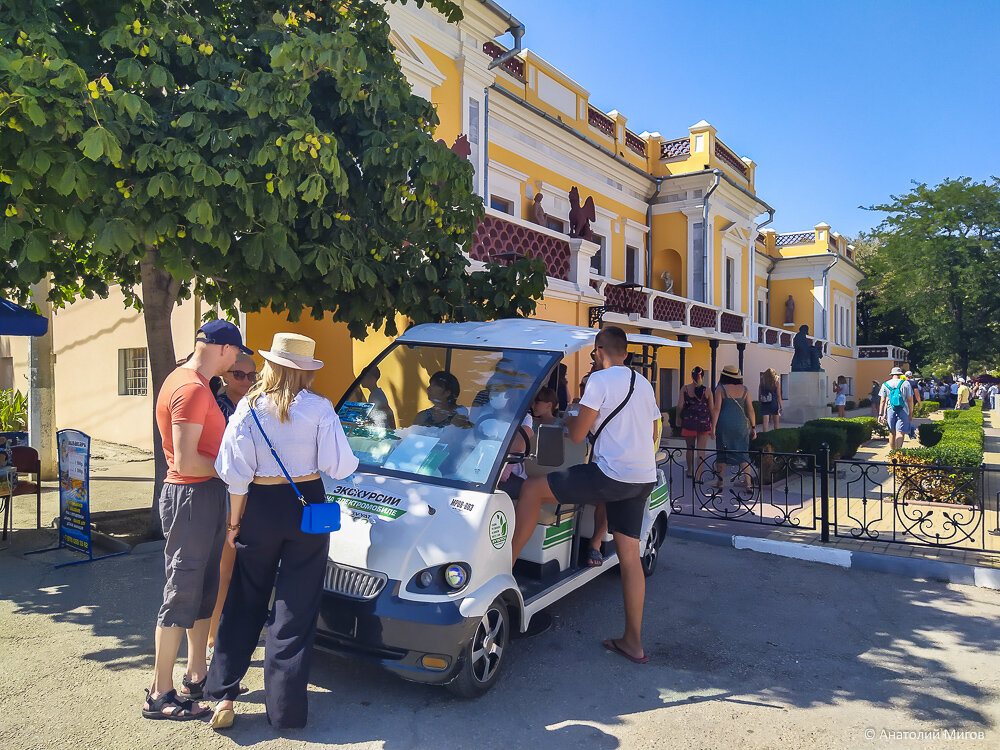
(281, 437)
(733, 426)
(192, 507)
(694, 413)
(896, 397)
(840, 400)
(769, 397)
(963, 395)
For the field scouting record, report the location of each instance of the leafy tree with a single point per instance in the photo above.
(251, 153)
(934, 269)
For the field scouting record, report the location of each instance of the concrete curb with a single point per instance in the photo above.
(938, 570)
(149, 547)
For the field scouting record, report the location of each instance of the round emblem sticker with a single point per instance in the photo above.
(498, 529)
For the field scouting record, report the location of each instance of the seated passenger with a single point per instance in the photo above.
(443, 392)
(382, 414)
(493, 414)
(544, 408)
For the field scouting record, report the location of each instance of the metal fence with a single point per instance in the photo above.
(895, 502)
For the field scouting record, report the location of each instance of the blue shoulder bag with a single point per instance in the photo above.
(317, 518)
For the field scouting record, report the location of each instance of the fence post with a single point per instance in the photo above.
(824, 485)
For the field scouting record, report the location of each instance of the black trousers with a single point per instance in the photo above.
(269, 535)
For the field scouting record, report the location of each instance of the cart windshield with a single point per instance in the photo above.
(441, 411)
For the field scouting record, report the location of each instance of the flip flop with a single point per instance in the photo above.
(594, 558)
(613, 647)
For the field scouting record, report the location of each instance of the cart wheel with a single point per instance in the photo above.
(651, 549)
(484, 656)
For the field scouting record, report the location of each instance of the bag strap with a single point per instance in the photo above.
(274, 453)
(612, 415)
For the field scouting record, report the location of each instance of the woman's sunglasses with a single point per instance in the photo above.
(240, 375)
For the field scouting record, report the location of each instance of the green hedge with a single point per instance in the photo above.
(857, 430)
(783, 440)
(864, 402)
(812, 437)
(924, 408)
(959, 440)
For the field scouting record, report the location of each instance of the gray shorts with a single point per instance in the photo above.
(194, 523)
(898, 421)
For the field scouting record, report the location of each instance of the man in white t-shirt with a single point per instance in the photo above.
(621, 473)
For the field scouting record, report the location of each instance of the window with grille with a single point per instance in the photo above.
(133, 372)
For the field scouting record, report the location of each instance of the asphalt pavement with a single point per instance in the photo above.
(746, 650)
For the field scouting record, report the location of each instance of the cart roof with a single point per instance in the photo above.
(518, 333)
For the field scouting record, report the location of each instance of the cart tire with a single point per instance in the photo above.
(651, 547)
(485, 656)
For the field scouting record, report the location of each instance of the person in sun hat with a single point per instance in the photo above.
(192, 508)
(264, 526)
(896, 407)
(733, 424)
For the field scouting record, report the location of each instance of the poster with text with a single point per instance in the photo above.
(74, 490)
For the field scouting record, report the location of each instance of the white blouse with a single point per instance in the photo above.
(311, 440)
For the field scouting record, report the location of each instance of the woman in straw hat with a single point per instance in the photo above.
(733, 424)
(264, 527)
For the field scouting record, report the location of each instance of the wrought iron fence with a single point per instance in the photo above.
(771, 488)
(918, 504)
(896, 502)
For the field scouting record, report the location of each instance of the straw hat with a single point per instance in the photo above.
(292, 350)
(732, 371)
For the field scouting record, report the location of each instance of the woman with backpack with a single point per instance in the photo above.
(694, 412)
(769, 396)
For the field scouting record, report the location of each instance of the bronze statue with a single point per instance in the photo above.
(581, 216)
(807, 354)
(790, 310)
(537, 212)
(461, 146)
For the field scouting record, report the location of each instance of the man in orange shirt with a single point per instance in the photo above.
(192, 508)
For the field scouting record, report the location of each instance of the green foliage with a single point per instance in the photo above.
(257, 155)
(934, 265)
(856, 431)
(812, 437)
(782, 440)
(13, 411)
(959, 440)
(756, 413)
(864, 403)
(924, 408)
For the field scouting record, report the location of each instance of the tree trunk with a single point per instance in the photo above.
(159, 293)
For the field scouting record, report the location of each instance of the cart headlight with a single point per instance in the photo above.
(426, 578)
(456, 576)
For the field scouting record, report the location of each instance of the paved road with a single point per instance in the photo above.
(747, 650)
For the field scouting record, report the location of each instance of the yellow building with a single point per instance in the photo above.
(683, 245)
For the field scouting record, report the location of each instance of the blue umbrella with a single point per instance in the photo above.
(16, 321)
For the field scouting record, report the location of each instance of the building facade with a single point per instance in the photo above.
(682, 246)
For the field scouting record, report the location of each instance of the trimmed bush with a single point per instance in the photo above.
(756, 413)
(812, 437)
(960, 441)
(930, 434)
(856, 432)
(924, 408)
(783, 440)
(675, 429)
(851, 405)
(865, 402)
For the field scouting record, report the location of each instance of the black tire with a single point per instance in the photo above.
(651, 547)
(484, 657)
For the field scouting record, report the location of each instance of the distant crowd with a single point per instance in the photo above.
(949, 392)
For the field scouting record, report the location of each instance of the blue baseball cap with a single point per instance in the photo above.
(222, 332)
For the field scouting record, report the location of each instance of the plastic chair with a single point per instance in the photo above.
(25, 459)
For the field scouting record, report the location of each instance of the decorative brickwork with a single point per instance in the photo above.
(726, 156)
(496, 237)
(673, 149)
(702, 317)
(731, 323)
(772, 337)
(601, 121)
(624, 301)
(786, 340)
(635, 143)
(668, 309)
(512, 65)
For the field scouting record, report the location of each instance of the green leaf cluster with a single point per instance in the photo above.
(955, 441)
(249, 153)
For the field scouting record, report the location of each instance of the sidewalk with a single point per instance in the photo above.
(941, 563)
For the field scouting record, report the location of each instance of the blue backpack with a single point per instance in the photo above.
(896, 398)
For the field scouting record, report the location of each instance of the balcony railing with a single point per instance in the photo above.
(676, 148)
(781, 338)
(650, 308)
(723, 154)
(512, 65)
(503, 239)
(895, 353)
(601, 121)
(635, 143)
(795, 238)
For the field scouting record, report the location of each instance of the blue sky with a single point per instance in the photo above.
(840, 104)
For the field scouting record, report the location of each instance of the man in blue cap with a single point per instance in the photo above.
(192, 507)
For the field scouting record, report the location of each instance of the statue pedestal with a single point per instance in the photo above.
(807, 396)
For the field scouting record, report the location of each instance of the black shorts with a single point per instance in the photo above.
(586, 483)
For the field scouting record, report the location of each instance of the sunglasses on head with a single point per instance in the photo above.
(240, 375)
